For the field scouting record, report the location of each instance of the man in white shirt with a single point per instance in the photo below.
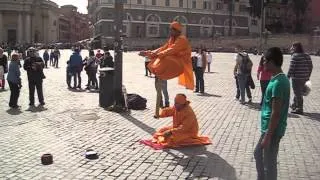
(209, 59)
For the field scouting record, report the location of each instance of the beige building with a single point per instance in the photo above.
(28, 21)
(150, 18)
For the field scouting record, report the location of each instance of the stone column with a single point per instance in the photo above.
(28, 29)
(19, 29)
(1, 28)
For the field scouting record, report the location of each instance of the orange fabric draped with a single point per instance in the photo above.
(174, 60)
(184, 129)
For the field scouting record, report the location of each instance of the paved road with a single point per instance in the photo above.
(73, 122)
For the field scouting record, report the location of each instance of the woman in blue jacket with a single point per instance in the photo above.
(14, 81)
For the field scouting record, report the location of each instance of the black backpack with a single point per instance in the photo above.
(136, 102)
(244, 64)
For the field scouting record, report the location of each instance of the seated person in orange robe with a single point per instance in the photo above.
(173, 59)
(184, 130)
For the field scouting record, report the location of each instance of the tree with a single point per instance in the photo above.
(299, 8)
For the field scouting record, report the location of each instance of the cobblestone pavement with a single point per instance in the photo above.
(72, 122)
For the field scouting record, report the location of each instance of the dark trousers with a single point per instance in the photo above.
(209, 66)
(51, 62)
(56, 62)
(32, 85)
(199, 79)
(77, 75)
(46, 63)
(68, 78)
(146, 68)
(92, 79)
(247, 89)
(263, 85)
(266, 159)
(297, 86)
(14, 95)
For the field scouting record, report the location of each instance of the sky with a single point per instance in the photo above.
(81, 4)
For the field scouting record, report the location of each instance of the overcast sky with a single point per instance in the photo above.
(81, 4)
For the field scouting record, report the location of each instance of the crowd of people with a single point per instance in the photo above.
(34, 65)
(173, 60)
(275, 88)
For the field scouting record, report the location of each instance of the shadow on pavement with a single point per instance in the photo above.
(213, 166)
(138, 123)
(313, 116)
(208, 95)
(211, 72)
(290, 115)
(76, 90)
(254, 105)
(14, 111)
(37, 109)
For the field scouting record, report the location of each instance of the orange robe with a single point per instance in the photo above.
(184, 129)
(174, 59)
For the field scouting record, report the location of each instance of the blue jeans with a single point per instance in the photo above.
(266, 159)
(242, 81)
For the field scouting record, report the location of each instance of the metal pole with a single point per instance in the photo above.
(118, 54)
(262, 26)
(231, 4)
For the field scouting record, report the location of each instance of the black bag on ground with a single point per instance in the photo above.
(136, 102)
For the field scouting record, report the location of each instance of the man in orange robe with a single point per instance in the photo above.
(171, 60)
(185, 128)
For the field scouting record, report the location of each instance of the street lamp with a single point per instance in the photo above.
(119, 104)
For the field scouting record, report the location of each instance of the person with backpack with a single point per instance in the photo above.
(91, 68)
(242, 71)
(34, 66)
(75, 63)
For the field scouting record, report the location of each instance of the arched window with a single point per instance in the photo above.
(127, 23)
(183, 20)
(153, 25)
(226, 27)
(206, 28)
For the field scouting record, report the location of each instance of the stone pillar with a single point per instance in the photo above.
(19, 29)
(28, 29)
(1, 28)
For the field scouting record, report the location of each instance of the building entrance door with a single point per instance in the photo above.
(12, 36)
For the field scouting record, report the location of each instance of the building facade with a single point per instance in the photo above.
(74, 26)
(28, 21)
(151, 18)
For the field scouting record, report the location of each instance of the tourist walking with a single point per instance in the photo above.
(46, 58)
(209, 59)
(274, 115)
(264, 76)
(34, 66)
(199, 71)
(300, 70)
(242, 71)
(4, 68)
(91, 68)
(76, 66)
(14, 81)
